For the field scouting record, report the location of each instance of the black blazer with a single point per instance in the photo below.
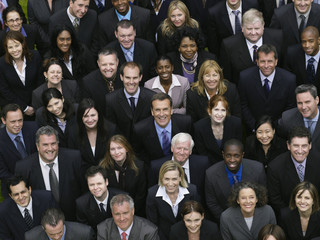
(205, 142)
(268, 8)
(197, 105)
(93, 6)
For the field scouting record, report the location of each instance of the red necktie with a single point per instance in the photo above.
(124, 236)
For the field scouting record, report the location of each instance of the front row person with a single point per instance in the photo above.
(53, 226)
(271, 232)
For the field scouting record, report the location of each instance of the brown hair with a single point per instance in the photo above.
(213, 102)
(16, 36)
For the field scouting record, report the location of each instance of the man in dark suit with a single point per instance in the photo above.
(265, 89)
(104, 80)
(130, 49)
(23, 210)
(238, 52)
(294, 17)
(93, 207)
(54, 169)
(17, 141)
(140, 17)
(131, 103)
(223, 175)
(123, 224)
(269, 6)
(152, 136)
(53, 226)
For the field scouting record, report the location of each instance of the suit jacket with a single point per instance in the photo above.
(285, 18)
(217, 185)
(178, 94)
(141, 229)
(233, 225)
(146, 140)
(119, 111)
(11, 87)
(145, 53)
(206, 143)
(160, 212)
(9, 154)
(71, 183)
(235, 56)
(140, 18)
(197, 104)
(93, 6)
(268, 8)
(13, 225)
(254, 102)
(74, 230)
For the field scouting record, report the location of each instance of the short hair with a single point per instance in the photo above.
(106, 51)
(191, 33)
(264, 119)
(312, 89)
(163, 58)
(260, 191)
(311, 29)
(233, 142)
(15, 180)
(266, 49)
(299, 132)
(11, 107)
(191, 206)
(161, 97)
(9, 9)
(125, 23)
(46, 130)
(172, 166)
(305, 186)
(120, 199)
(52, 216)
(271, 230)
(131, 65)
(214, 100)
(251, 16)
(47, 63)
(182, 137)
(93, 170)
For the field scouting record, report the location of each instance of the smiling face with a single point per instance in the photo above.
(125, 36)
(178, 18)
(13, 121)
(310, 43)
(15, 49)
(131, 79)
(171, 181)
(193, 221)
(108, 65)
(211, 80)
(188, 48)
(122, 6)
(64, 41)
(267, 63)
(98, 186)
(54, 75)
(218, 113)
(304, 201)
(253, 31)
(307, 105)
(14, 21)
(232, 156)
(122, 215)
(55, 106)
(247, 200)
(299, 148)
(164, 69)
(161, 111)
(118, 152)
(20, 194)
(48, 147)
(79, 8)
(265, 134)
(302, 6)
(90, 118)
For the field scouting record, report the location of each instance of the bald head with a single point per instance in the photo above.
(310, 40)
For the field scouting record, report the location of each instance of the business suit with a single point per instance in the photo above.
(217, 185)
(119, 111)
(233, 225)
(11, 87)
(146, 140)
(74, 230)
(268, 7)
(13, 225)
(235, 55)
(71, 183)
(255, 103)
(160, 212)
(197, 105)
(141, 229)
(93, 6)
(178, 94)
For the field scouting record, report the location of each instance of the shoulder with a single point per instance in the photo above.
(144, 223)
(271, 32)
(72, 154)
(42, 195)
(216, 168)
(78, 228)
(289, 76)
(202, 123)
(35, 233)
(278, 163)
(153, 190)
(91, 76)
(69, 83)
(91, 14)
(145, 92)
(291, 113)
(144, 43)
(180, 118)
(146, 123)
(232, 120)
(60, 14)
(283, 10)
(82, 200)
(229, 213)
(140, 10)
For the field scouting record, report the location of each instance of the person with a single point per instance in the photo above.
(223, 175)
(193, 224)
(152, 136)
(165, 200)
(124, 224)
(271, 232)
(93, 207)
(17, 141)
(178, 17)
(54, 226)
(174, 85)
(160, 12)
(210, 83)
(304, 212)
(264, 145)
(271, 89)
(20, 73)
(268, 8)
(9, 3)
(54, 169)
(23, 210)
(189, 56)
(58, 113)
(212, 132)
(125, 171)
(248, 213)
(53, 76)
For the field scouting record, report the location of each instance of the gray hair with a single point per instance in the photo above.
(52, 217)
(307, 88)
(46, 130)
(251, 16)
(182, 137)
(120, 199)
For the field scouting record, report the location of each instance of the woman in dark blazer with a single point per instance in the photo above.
(212, 132)
(174, 188)
(210, 83)
(160, 12)
(125, 171)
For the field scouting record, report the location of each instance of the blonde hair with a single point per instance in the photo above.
(172, 166)
(252, 16)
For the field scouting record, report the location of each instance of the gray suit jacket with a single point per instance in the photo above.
(178, 95)
(141, 229)
(74, 230)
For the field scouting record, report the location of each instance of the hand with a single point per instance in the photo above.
(29, 111)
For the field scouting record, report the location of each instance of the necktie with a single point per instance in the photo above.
(54, 184)
(165, 143)
(132, 104)
(28, 219)
(102, 208)
(21, 149)
(300, 172)
(100, 6)
(255, 48)
(302, 23)
(129, 56)
(311, 72)
(266, 87)
(185, 175)
(235, 179)
(237, 21)
(311, 130)
(281, 3)
(76, 23)
(110, 85)
(124, 236)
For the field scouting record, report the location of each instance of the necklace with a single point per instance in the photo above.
(188, 71)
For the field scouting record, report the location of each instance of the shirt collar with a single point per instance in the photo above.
(126, 231)
(121, 17)
(258, 43)
(315, 119)
(305, 14)
(55, 161)
(13, 136)
(157, 85)
(238, 174)
(316, 57)
(230, 10)
(105, 201)
(270, 77)
(296, 164)
(29, 207)
(125, 50)
(136, 95)
(162, 191)
(160, 129)
(71, 17)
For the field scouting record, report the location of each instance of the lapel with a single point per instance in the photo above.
(292, 21)
(62, 171)
(291, 171)
(316, 132)
(140, 105)
(14, 76)
(125, 104)
(36, 174)
(36, 204)
(243, 52)
(9, 144)
(26, 137)
(122, 58)
(138, 52)
(226, 20)
(276, 86)
(17, 216)
(223, 180)
(240, 220)
(257, 84)
(94, 210)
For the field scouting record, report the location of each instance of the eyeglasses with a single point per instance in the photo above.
(11, 21)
